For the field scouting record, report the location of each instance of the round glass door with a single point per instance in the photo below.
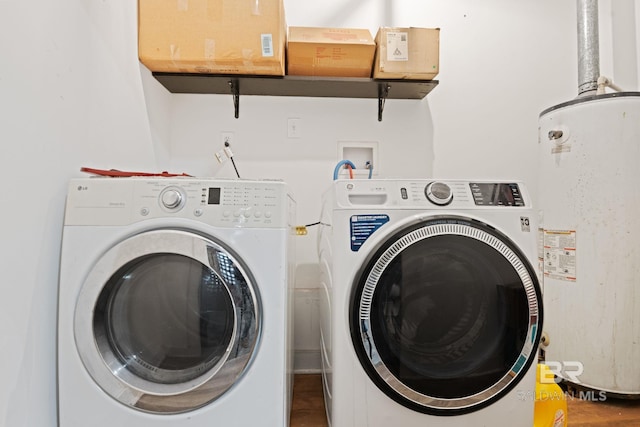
(445, 316)
(167, 321)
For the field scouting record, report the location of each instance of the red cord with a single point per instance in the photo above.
(117, 173)
(350, 170)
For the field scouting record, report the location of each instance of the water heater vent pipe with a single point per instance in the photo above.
(588, 47)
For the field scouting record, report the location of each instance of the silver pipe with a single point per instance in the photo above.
(588, 48)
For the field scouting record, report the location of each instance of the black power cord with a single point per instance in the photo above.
(227, 145)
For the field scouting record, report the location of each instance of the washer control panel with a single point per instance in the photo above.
(431, 193)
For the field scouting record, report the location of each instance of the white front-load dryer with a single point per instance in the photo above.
(174, 303)
(431, 314)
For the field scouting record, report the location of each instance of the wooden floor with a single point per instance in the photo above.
(308, 408)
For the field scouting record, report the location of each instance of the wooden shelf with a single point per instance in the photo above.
(320, 87)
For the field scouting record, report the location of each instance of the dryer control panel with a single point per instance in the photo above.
(223, 203)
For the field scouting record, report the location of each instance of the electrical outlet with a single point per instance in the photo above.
(226, 138)
(361, 154)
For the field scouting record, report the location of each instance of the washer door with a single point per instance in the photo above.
(167, 321)
(445, 316)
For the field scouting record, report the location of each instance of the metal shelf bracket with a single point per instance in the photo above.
(383, 93)
(234, 85)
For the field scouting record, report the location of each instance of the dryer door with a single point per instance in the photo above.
(445, 316)
(167, 321)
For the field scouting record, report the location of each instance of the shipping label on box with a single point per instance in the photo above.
(407, 53)
(397, 46)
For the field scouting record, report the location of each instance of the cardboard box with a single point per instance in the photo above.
(334, 52)
(212, 36)
(407, 53)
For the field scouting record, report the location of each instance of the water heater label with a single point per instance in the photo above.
(559, 248)
(363, 226)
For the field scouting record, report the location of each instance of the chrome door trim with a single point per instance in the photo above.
(112, 375)
(458, 227)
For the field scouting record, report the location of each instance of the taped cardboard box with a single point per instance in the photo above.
(212, 36)
(333, 52)
(407, 53)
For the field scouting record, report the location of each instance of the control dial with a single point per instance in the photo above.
(438, 193)
(172, 198)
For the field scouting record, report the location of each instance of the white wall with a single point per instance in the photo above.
(620, 42)
(70, 96)
(73, 94)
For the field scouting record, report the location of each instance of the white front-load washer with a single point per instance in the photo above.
(174, 303)
(431, 314)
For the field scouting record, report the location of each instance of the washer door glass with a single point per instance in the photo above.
(169, 316)
(445, 316)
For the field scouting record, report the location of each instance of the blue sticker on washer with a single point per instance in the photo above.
(363, 226)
